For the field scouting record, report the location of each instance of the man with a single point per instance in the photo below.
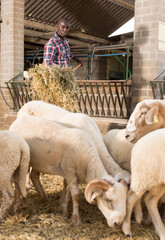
(57, 50)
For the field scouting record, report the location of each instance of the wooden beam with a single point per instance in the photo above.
(124, 4)
(33, 33)
(37, 40)
(89, 37)
(42, 26)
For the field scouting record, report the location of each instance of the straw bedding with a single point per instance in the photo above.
(39, 220)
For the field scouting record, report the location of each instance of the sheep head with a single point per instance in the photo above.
(147, 116)
(110, 198)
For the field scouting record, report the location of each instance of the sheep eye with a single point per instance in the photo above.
(109, 200)
(142, 114)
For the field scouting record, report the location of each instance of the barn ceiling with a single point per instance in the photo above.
(92, 20)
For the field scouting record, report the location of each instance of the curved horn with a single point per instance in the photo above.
(95, 189)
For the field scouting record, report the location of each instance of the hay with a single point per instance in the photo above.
(54, 85)
(39, 220)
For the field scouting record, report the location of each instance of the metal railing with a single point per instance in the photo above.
(158, 86)
(100, 98)
(158, 89)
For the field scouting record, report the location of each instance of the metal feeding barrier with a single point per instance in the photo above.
(97, 98)
(158, 86)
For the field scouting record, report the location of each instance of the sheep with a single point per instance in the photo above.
(147, 176)
(120, 150)
(71, 153)
(14, 164)
(76, 120)
(147, 116)
(118, 147)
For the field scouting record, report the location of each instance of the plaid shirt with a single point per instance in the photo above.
(57, 52)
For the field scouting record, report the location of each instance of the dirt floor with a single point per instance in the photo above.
(39, 220)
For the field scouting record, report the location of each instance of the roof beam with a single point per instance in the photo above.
(32, 38)
(89, 37)
(124, 4)
(42, 26)
(82, 36)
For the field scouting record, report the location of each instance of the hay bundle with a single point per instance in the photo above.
(54, 85)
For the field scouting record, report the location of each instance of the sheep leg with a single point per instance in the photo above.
(151, 200)
(28, 183)
(138, 213)
(7, 200)
(75, 198)
(65, 202)
(63, 192)
(17, 200)
(131, 200)
(34, 175)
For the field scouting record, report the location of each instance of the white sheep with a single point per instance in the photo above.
(118, 147)
(71, 153)
(147, 176)
(76, 120)
(14, 164)
(147, 116)
(120, 150)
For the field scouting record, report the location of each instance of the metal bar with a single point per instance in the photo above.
(113, 102)
(125, 100)
(88, 97)
(11, 94)
(152, 87)
(105, 95)
(118, 97)
(94, 100)
(103, 112)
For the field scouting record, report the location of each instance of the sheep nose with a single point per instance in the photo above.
(116, 224)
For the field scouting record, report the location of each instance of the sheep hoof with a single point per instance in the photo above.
(126, 230)
(128, 235)
(76, 220)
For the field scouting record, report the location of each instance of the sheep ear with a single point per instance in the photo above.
(151, 116)
(94, 189)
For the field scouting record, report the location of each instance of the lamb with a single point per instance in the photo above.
(147, 175)
(14, 164)
(76, 120)
(71, 153)
(147, 116)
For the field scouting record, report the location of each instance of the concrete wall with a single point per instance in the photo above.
(99, 68)
(12, 49)
(148, 58)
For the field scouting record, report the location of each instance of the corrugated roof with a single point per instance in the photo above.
(97, 18)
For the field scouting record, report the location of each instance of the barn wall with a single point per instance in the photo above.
(12, 49)
(148, 55)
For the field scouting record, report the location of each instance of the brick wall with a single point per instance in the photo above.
(148, 60)
(12, 48)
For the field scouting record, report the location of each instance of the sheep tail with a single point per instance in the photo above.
(23, 169)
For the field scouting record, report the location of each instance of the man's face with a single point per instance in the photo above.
(63, 28)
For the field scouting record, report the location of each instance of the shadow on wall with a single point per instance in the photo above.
(141, 44)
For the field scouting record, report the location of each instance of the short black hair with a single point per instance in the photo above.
(62, 19)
